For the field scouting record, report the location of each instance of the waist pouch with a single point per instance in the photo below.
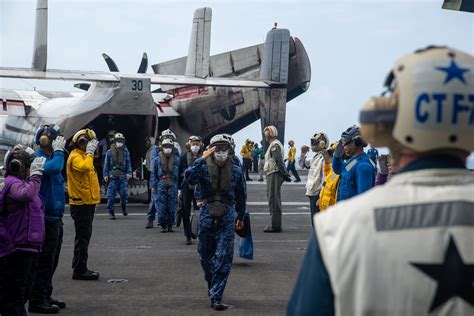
(216, 209)
(167, 182)
(116, 173)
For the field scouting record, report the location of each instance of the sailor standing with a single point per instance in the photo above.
(164, 185)
(117, 172)
(276, 173)
(404, 248)
(222, 188)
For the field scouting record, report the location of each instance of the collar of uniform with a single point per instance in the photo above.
(435, 162)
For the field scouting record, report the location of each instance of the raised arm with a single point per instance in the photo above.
(55, 165)
(26, 190)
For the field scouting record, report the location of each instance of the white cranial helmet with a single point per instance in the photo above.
(167, 141)
(220, 138)
(168, 133)
(429, 106)
(119, 136)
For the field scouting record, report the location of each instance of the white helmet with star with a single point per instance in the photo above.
(429, 106)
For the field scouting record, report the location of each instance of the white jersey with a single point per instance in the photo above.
(270, 166)
(315, 173)
(404, 248)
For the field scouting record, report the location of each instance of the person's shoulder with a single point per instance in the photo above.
(365, 166)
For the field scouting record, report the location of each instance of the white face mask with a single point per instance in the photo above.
(195, 149)
(118, 144)
(221, 155)
(167, 151)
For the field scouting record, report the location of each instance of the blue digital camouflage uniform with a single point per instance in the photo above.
(216, 239)
(165, 199)
(117, 178)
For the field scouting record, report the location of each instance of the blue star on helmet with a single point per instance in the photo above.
(453, 72)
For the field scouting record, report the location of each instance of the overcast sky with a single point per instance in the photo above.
(351, 44)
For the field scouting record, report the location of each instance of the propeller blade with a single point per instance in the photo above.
(110, 63)
(143, 64)
(82, 86)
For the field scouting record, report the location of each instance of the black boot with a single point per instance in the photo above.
(149, 224)
(42, 308)
(218, 305)
(112, 215)
(188, 241)
(164, 229)
(87, 276)
(57, 302)
(170, 229)
(124, 210)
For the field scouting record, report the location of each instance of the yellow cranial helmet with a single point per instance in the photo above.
(429, 104)
(83, 135)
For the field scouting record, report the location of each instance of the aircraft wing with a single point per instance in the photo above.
(97, 76)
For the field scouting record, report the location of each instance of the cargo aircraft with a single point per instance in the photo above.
(198, 94)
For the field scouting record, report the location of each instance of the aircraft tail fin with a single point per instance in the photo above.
(197, 63)
(40, 49)
(274, 68)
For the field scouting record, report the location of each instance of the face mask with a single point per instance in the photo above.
(221, 155)
(118, 145)
(195, 149)
(167, 151)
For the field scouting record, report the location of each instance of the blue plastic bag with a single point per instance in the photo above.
(245, 245)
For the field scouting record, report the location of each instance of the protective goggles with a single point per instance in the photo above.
(221, 146)
(195, 139)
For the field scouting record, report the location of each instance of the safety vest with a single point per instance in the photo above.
(82, 181)
(270, 165)
(404, 248)
(327, 197)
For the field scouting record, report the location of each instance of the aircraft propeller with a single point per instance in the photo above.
(113, 68)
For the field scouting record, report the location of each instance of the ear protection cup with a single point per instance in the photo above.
(16, 167)
(358, 141)
(39, 134)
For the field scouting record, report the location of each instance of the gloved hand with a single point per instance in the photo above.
(92, 146)
(383, 164)
(59, 143)
(37, 166)
(326, 157)
(339, 151)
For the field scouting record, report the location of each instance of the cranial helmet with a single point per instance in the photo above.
(220, 138)
(49, 131)
(83, 136)
(167, 133)
(272, 130)
(352, 134)
(320, 139)
(167, 141)
(18, 159)
(429, 104)
(119, 136)
(194, 139)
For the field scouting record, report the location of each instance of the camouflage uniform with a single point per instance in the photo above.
(117, 174)
(165, 199)
(216, 237)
